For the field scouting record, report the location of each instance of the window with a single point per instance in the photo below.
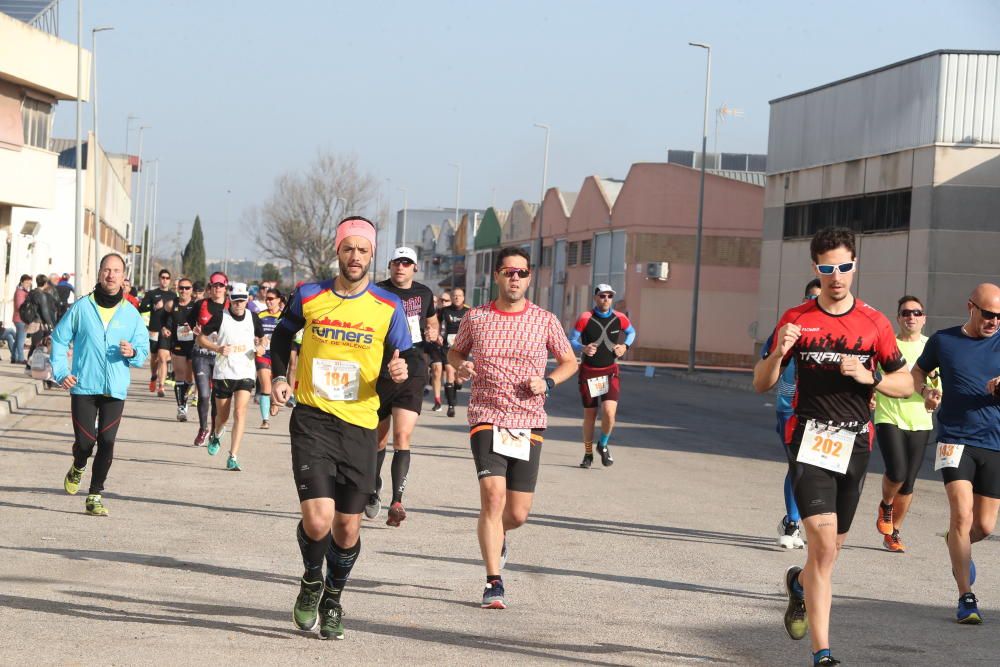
(571, 253)
(586, 249)
(547, 256)
(36, 117)
(885, 211)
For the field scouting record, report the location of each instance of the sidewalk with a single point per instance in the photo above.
(16, 388)
(727, 377)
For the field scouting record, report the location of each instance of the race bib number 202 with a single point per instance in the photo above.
(826, 447)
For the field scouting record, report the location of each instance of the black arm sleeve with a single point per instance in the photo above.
(281, 350)
(258, 328)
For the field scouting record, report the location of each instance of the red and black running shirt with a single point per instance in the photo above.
(821, 392)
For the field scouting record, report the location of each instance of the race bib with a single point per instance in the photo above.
(451, 339)
(336, 380)
(184, 333)
(598, 386)
(415, 334)
(826, 447)
(512, 442)
(948, 456)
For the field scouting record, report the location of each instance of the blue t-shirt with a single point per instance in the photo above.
(786, 383)
(968, 415)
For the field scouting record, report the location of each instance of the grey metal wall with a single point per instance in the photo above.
(969, 99)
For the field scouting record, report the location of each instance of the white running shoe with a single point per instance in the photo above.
(789, 536)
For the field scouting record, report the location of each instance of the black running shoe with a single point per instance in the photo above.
(605, 453)
(827, 660)
(588, 460)
(451, 410)
(796, 622)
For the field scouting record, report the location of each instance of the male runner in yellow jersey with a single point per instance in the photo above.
(351, 330)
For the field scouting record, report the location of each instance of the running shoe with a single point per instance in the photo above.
(397, 515)
(152, 386)
(588, 460)
(437, 406)
(232, 464)
(160, 393)
(504, 552)
(451, 410)
(458, 386)
(305, 613)
(72, 481)
(493, 596)
(374, 506)
(789, 534)
(199, 439)
(883, 519)
(182, 413)
(893, 543)
(826, 661)
(265, 425)
(332, 619)
(968, 610)
(796, 623)
(215, 441)
(605, 452)
(94, 505)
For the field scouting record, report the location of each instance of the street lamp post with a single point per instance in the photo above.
(458, 197)
(225, 261)
(147, 232)
(692, 350)
(95, 160)
(152, 234)
(136, 211)
(403, 190)
(541, 202)
(78, 260)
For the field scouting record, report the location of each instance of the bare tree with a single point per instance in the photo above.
(298, 223)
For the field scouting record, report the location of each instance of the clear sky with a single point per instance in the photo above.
(239, 93)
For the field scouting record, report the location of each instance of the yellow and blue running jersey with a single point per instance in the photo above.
(345, 343)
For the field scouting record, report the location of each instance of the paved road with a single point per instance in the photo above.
(666, 558)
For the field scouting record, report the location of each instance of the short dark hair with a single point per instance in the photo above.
(109, 255)
(357, 217)
(811, 285)
(198, 286)
(276, 292)
(510, 251)
(831, 238)
(41, 279)
(904, 299)
(24, 276)
(162, 271)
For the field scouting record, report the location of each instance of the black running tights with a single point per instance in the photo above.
(95, 422)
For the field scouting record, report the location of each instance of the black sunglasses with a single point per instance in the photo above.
(605, 295)
(217, 284)
(510, 273)
(916, 312)
(404, 262)
(986, 314)
(183, 288)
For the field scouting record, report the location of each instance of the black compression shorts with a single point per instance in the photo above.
(821, 491)
(903, 452)
(226, 388)
(407, 395)
(332, 458)
(979, 466)
(435, 353)
(183, 348)
(521, 475)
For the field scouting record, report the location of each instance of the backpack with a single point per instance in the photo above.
(28, 312)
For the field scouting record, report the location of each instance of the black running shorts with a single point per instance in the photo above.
(979, 466)
(821, 491)
(226, 388)
(182, 348)
(332, 458)
(435, 353)
(407, 395)
(521, 475)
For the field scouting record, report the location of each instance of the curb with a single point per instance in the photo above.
(26, 392)
(711, 379)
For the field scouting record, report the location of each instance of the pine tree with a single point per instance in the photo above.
(193, 257)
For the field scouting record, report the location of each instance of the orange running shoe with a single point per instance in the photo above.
(893, 543)
(152, 386)
(883, 519)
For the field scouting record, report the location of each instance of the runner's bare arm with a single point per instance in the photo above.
(767, 371)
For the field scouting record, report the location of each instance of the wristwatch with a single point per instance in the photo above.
(876, 378)
(549, 385)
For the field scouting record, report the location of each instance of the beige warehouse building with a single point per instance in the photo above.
(908, 156)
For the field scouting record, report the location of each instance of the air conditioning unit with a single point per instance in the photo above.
(561, 277)
(658, 270)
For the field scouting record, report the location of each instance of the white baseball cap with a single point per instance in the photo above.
(239, 292)
(403, 252)
(603, 287)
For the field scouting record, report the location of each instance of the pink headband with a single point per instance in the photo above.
(360, 228)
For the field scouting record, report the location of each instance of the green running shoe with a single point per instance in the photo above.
(306, 605)
(796, 622)
(215, 441)
(94, 505)
(233, 464)
(332, 625)
(72, 481)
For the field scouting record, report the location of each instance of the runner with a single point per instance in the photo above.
(402, 402)
(436, 353)
(160, 346)
(269, 318)
(108, 336)
(154, 300)
(451, 316)
(203, 359)
(199, 290)
(836, 340)
(351, 329)
(597, 335)
(511, 340)
(903, 427)
(968, 450)
(130, 293)
(182, 335)
(789, 532)
(235, 338)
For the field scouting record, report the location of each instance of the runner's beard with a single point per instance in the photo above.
(346, 277)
